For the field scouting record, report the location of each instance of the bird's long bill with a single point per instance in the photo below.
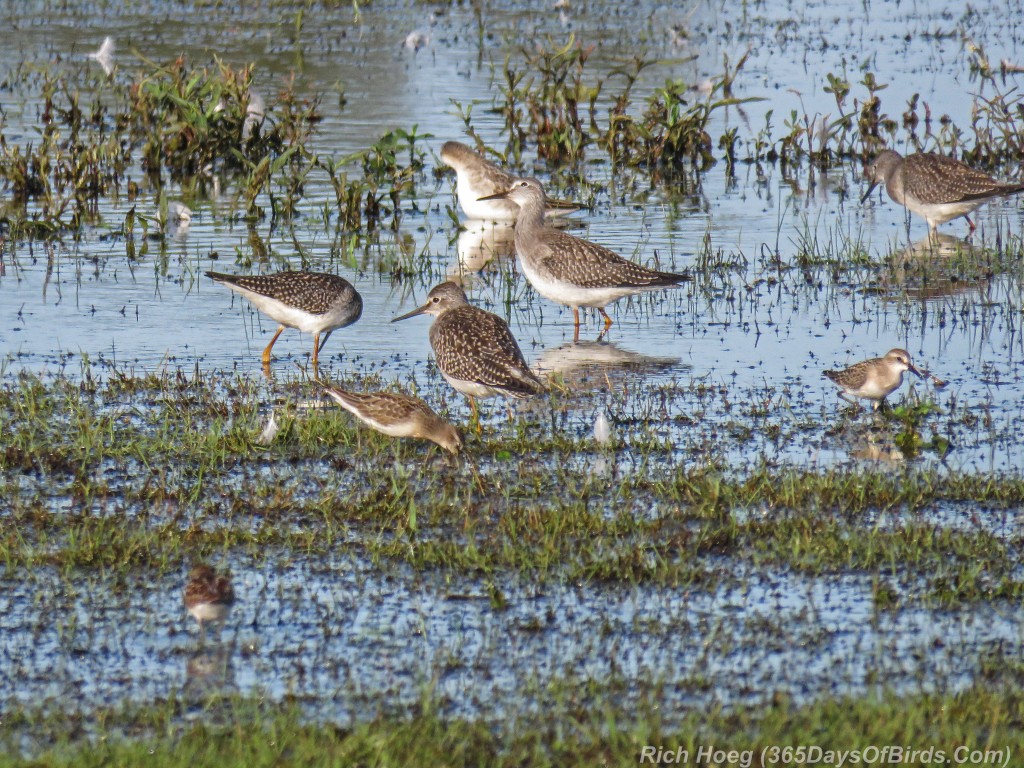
(868, 193)
(913, 369)
(407, 315)
(495, 196)
(552, 202)
(323, 340)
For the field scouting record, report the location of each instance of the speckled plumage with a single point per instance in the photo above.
(397, 415)
(572, 271)
(935, 187)
(314, 302)
(873, 379)
(475, 349)
(208, 597)
(478, 178)
(473, 345)
(313, 292)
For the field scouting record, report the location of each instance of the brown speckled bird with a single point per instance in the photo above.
(208, 596)
(874, 379)
(476, 178)
(475, 350)
(397, 415)
(314, 302)
(936, 188)
(569, 270)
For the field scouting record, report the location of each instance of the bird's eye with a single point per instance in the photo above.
(436, 299)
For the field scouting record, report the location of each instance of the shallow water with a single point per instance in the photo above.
(730, 347)
(348, 639)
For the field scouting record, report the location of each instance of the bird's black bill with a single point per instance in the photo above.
(407, 315)
(868, 193)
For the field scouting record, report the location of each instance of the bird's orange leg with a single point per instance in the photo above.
(270, 346)
(607, 319)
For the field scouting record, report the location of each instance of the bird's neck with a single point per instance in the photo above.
(531, 216)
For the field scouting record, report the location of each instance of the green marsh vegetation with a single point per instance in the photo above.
(979, 722)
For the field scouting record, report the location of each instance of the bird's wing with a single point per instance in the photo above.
(589, 265)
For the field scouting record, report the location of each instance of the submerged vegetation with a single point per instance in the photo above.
(200, 126)
(102, 448)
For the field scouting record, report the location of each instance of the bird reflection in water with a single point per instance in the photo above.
(590, 364)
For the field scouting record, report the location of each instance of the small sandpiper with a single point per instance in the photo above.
(477, 178)
(397, 415)
(936, 188)
(208, 597)
(475, 350)
(313, 302)
(572, 271)
(874, 379)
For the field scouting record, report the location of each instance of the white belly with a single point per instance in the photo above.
(214, 612)
(572, 295)
(471, 388)
(488, 210)
(875, 388)
(288, 315)
(940, 213)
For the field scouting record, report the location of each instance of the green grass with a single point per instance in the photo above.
(590, 731)
(178, 455)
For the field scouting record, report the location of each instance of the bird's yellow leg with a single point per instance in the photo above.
(270, 346)
(476, 414)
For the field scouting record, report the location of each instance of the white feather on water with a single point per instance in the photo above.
(269, 431)
(602, 429)
(105, 55)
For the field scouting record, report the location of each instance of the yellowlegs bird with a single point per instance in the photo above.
(475, 350)
(874, 379)
(208, 596)
(478, 178)
(314, 302)
(397, 415)
(936, 188)
(572, 271)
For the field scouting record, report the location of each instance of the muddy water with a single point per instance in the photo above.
(387, 636)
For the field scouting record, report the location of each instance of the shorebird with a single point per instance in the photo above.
(397, 415)
(314, 302)
(874, 379)
(475, 350)
(572, 271)
(208, 597)
(936, 188)
(478, 178)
